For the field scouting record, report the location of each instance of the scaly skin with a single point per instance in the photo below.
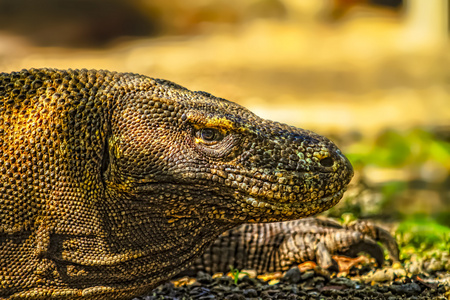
(275, 247)
(114, 182)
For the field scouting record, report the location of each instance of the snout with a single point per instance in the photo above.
(346, 164)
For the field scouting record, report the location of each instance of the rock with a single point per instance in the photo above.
(408, 289)
(204, 278)
(383, 275)
(207, 297)
(433, 265)
(250, 293)
(307, 275)
(235, 296)
(343, 281)
(293, 275)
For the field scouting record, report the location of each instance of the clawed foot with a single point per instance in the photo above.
(274, 247)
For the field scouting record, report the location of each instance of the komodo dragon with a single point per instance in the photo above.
(112, 183)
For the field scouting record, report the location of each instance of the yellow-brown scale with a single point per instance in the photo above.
(111, 183)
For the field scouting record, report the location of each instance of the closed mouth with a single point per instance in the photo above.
(294, 207)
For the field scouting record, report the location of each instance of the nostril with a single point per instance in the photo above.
(327, 162)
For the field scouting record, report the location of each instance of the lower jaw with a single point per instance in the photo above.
(304, 208)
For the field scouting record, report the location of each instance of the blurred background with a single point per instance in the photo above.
(372, 74)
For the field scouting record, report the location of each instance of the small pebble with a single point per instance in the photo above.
(235, 297)
(207, 297)
(342, 281)
(408, 289)
(249, 293)
(307, 275)
(293, 275)
(204, 278)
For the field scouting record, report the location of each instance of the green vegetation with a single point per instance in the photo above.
(423, 233)
(400, 149)
(235, 274)
(422, 238)
(399, 173)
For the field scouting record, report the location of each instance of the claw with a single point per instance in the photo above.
(274, 247)
(378, 234)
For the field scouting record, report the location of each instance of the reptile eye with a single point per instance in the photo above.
(215, 143)
(210, 135)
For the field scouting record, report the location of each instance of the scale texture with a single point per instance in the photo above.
(111, 183)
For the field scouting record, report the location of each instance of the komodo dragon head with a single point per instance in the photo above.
(199, 156)
(115, 182)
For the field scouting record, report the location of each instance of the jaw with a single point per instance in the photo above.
(263, 210)
(229, 205)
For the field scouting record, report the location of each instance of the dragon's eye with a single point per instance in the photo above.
(210, 135)
(215, 142)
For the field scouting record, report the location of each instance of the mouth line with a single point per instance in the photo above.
(248, 203)
(259, 203)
